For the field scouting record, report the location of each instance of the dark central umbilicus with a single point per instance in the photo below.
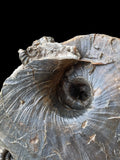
(80, 91)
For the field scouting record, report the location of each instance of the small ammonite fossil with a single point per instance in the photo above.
(63, 101)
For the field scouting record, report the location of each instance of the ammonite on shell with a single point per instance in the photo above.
(63, 101)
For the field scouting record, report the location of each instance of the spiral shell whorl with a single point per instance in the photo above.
(41, 116)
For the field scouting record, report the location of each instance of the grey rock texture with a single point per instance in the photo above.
(63, 101)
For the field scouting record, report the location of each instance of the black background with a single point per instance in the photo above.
(21, 24)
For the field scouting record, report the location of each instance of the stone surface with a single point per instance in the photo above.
(63, 101)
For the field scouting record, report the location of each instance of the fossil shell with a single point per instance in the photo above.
(63, 101)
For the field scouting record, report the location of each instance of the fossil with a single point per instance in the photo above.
(63, 101)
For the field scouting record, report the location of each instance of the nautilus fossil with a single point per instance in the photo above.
(63, 101)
